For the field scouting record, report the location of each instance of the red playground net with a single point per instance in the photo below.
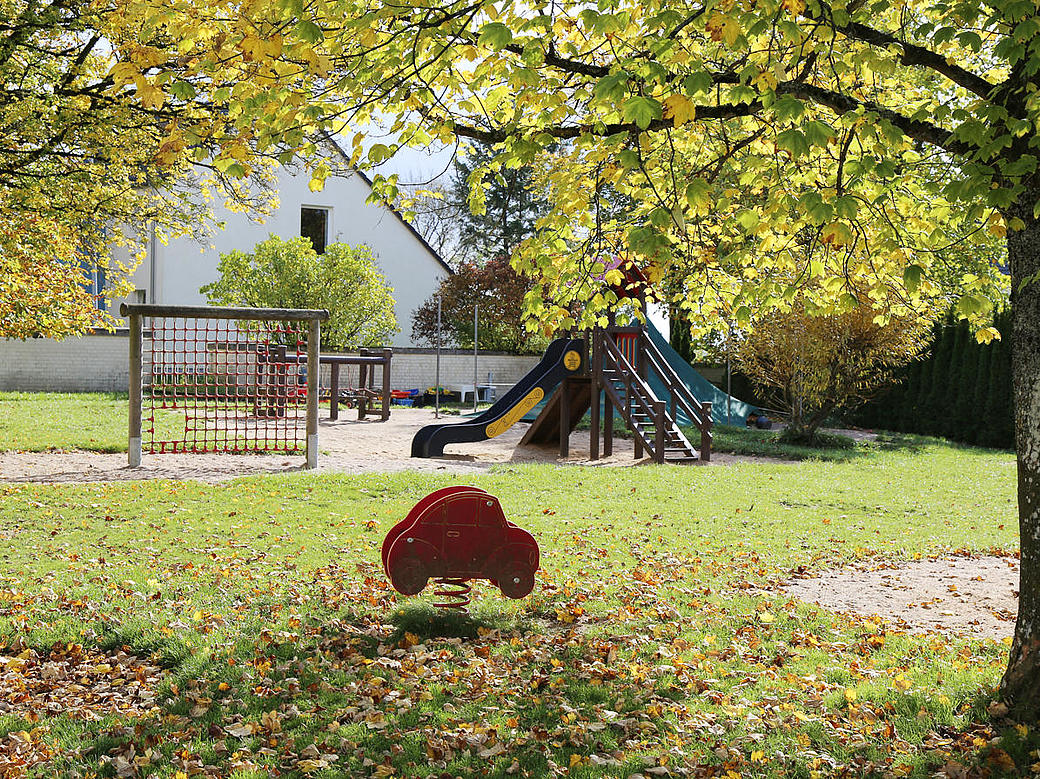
(224, 385)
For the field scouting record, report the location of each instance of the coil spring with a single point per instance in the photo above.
(452, 594)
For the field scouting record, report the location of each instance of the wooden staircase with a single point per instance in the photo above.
(623, 359)
(641, 409)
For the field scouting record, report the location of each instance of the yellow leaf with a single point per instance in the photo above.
(850, 695)
(987, 335)
(252, 46)
(124, 73)
(575, 760)
(766, 618)
(151, 96)
(679, 108)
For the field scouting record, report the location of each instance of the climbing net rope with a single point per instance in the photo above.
(224, 385)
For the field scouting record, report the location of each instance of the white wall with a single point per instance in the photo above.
(91, 363)
(100, 363)
(184, 265)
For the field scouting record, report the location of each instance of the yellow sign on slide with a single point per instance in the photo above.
(529, 401)
(572, 360)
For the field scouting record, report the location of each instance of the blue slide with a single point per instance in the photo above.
(699, 387)
(564, 357)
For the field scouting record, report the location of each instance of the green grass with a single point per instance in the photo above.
(656, 636)
(832, 447)
(37, 421)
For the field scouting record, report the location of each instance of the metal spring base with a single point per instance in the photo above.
(452, 594)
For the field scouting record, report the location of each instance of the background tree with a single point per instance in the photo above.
(115, 117)
(818, 364)
(497, 207)
(290, 274)
(498, 291)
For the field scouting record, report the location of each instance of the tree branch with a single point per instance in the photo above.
(918, 55)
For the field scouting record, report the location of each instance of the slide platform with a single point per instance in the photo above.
(564, 357)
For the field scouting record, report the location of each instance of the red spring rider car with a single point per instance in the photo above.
(460, 533)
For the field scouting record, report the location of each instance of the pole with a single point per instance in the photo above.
(476, 330)
(136, 401)
(313, 367)
(437, 380)
(729, 377)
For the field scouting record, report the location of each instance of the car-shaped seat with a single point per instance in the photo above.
(460, 533)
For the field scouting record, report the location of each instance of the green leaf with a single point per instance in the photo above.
(748, 219)
(495, 35)
(793, 142)
(912, 275)
(642, 111)
(698, 193)
(970, 305)
(818, 133)
(309, 31)
(612, 86)
(629, 159)
(788, 108)
(970, 40)
(698, 83)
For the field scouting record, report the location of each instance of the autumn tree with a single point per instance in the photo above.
(820, 363)
(764, 146)
(498, 291)
(344, 280)
(115, 119)
(858, 145)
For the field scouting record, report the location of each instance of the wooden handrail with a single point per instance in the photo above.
(635, 390)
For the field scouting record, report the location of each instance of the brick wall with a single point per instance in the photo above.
(92, 363)
(99, 363)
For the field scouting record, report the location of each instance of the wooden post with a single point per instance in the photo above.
(706, 432)
(659, 417)
(334, 388)
(565, 417)
(362, 387)
(595, 381)
(136, 400)
(640, 369)
(313, 365)
(387, 354)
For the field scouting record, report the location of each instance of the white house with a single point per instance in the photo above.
(173, 273)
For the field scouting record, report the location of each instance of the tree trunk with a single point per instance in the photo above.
(1020, 686)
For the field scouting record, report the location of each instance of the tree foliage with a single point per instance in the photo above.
(44, 288)
(290, 274)
(113, 120)
(819, 363)
(498, 291)
(769, 149)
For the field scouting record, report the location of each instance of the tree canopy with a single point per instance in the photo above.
(344, 280)
(874, 148)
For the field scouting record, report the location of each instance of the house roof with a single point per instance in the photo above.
(400, 217)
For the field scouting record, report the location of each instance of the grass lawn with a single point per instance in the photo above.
(655, 642)
(37, 421)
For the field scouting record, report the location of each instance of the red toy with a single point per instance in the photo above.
(455, 534)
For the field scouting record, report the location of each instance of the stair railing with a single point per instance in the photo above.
(637, 395)
(680, 395)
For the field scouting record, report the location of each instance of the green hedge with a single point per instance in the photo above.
(960, 391)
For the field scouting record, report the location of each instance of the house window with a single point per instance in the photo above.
(314, 224)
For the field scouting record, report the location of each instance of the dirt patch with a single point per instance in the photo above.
(346, 446)
(971, 596)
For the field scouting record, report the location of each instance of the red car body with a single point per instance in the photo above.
(460, 533)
